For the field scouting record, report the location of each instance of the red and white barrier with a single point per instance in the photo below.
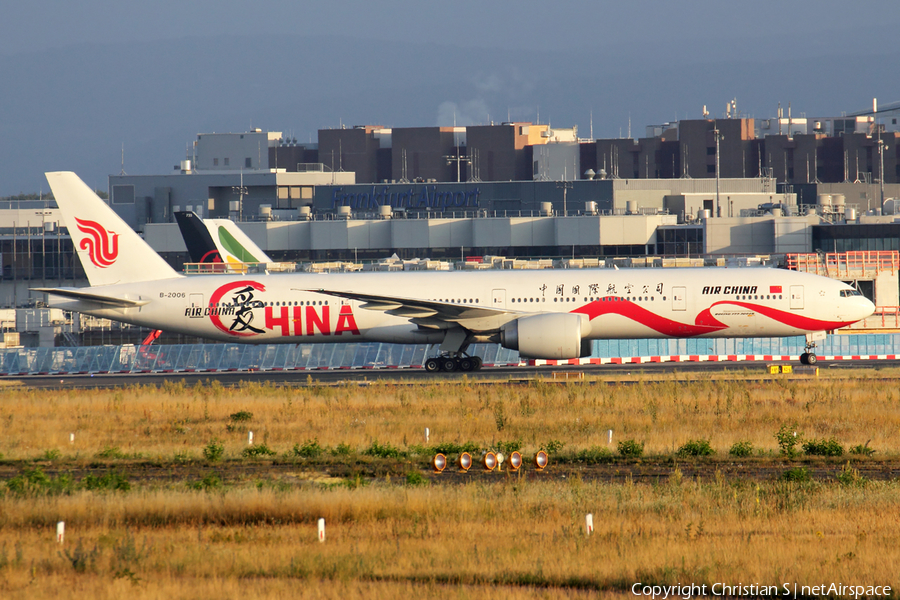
(637, 360)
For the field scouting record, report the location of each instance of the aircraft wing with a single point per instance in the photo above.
(90, 297)
(430, 313)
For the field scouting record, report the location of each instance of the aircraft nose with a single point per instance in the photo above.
(866, 307)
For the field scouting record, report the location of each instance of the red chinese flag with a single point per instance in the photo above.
(774, 289)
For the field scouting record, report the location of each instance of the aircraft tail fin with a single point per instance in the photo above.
(218, 240)
(109, 250)
(197, 238)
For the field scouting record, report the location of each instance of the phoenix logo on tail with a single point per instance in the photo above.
(102, 245)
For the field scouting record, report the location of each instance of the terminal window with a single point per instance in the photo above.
(123, 194)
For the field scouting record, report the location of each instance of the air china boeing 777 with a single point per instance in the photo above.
(542, 314)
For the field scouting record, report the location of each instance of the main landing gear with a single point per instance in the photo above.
(448, 363)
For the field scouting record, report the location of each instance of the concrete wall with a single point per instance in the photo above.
(425, 149)
(435, 233)
(142, 199)
(887, 289)
(353, 150)
(758, 235)
(556, 162)
(230, 151)
(731, 203)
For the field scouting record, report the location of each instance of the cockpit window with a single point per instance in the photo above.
(849, 293)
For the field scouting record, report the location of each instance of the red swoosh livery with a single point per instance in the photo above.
(102, 245)
(705, 322)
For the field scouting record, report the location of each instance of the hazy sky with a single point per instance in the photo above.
(80, 81)
(483, 23)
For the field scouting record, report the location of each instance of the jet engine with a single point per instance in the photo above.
(549, 335)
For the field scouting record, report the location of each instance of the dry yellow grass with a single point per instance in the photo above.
(514, 538)
(157, 424)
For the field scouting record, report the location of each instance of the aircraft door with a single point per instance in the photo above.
(679, 298)
(796, 297)
(195, 304)
(498, 299)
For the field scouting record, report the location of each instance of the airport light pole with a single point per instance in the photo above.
(718, 137)
(241, 191)
(565, 185)
(458, 160)
(881, 166)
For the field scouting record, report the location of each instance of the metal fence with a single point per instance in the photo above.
(188, 358)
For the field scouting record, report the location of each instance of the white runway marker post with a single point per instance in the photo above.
(71, 438)
(60, 532)
(250, 439)
(609, 437)
(321, 530)
(427, 434)
(589, 523)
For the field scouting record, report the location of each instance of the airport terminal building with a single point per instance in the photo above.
(516, 190)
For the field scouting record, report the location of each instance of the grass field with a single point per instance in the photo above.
(400, 535)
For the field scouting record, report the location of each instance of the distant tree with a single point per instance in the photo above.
(19, 197)
(46, 196)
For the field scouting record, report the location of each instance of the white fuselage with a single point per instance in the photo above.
(628, 303)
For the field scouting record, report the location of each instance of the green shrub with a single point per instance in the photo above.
(630, 448)
(309, 449)
(110, 452)
(506, 448)
(553, 447)
(741, 449)
(414, 478)
(862, 450)
(34, 482)
(448, 448)
(50, 454)
(696, 448)
(593, 455)
(258, 451)
(210, 482)
(823, 447)
(241, 416)
(851, 477)
(383, 451)
(214, 451)
(342, 449)
(797, 474)
(111, 481)
(787, 438)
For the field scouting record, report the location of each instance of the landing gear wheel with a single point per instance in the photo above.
(478, 363)
(811, 359)
(466, 364)
(448, 365)
(804, 358)
(432, 365)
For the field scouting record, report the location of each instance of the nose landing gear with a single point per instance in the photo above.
(808, 357)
